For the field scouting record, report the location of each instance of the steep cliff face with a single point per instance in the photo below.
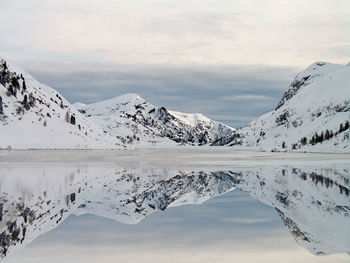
(136, 121)
(313, 114)
(32, 115)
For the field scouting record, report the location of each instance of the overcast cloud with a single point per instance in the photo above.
(231, 94)
(229, 59)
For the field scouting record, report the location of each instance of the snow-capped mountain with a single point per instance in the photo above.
(136, 121)
(33, 115)
(313, 114)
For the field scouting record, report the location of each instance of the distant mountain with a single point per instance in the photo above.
(34, 116)
(136, 121)
(313, 114)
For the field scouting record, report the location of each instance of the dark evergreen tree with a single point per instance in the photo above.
(32, 100)
(326, 135)
(316, 138)
(25, 102)
(321, 137)
(1, 108)
(303, 141)
(346, 126)
(67, 117)
(72, 119)
(283, 144)
(313, 140)
(24, 85)
(4, 65)
(341, 128)
(2, 78)
(15, 83)
(11, 91)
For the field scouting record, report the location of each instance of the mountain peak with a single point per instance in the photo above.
(138, 121)
(308, 76)
(35, 116)
(312, 114)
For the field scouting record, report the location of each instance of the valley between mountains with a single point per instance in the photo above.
(312, 116)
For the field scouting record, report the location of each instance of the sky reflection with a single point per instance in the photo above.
(232, 227)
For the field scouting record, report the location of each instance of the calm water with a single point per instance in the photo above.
(174, 206)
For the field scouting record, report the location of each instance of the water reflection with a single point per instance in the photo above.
(313, 202)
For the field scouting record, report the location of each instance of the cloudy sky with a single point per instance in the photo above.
(229, 59)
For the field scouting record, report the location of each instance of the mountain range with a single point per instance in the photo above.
(313, 115)
(135, 121)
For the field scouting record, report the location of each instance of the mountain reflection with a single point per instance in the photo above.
(313, 202)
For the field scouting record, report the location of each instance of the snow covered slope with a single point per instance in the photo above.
(33, 115)
(136, 121)
(313, 114)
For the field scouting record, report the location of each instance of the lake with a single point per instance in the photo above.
(174, 205)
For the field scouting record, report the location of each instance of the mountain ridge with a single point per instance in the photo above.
(313, 114)
(35, 116)
(141, 122)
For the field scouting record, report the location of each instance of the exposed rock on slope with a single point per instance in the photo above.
(33, 115)
(136, 121)
(313, 114)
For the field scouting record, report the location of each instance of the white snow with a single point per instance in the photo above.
(139, 122)
(321, 103)
(44, 125)
(317, 100)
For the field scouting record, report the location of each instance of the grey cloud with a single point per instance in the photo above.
(203, 23)
(208, 90)
(248, 97)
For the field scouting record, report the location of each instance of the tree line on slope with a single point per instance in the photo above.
(319, 138)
